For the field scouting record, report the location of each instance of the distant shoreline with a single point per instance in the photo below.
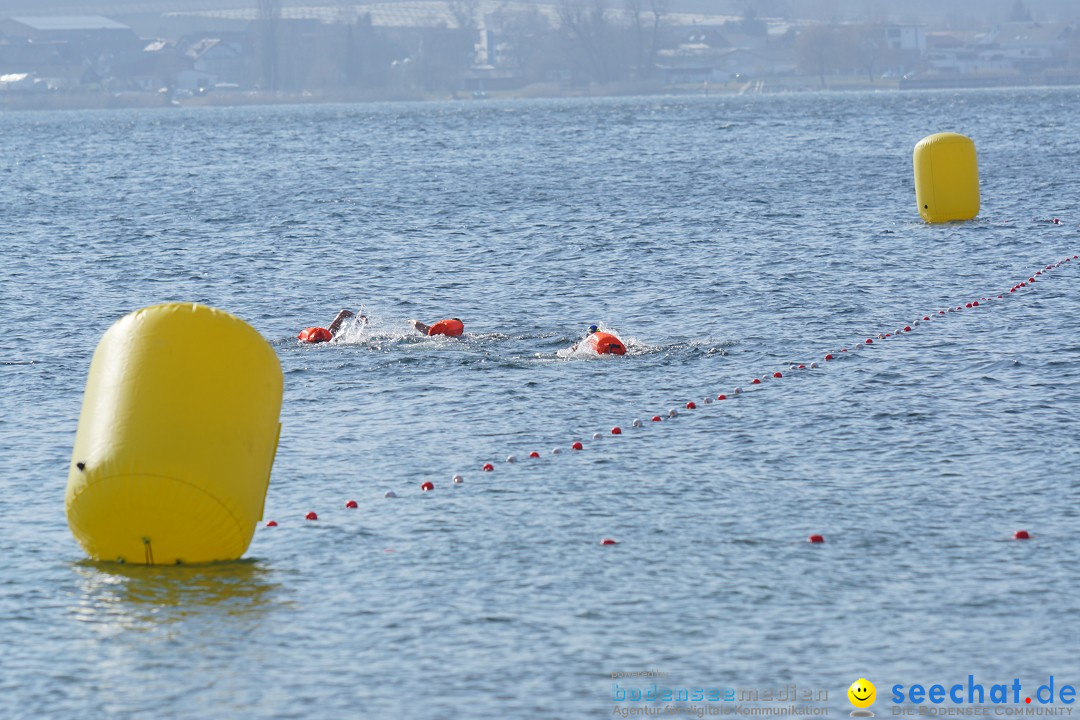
(15, 102)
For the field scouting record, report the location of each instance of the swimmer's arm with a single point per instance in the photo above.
(420, 327)
(341, 317)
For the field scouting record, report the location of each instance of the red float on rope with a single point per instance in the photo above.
(351, 505)
(616, 431)
(815, 539)
(1021, 535)
(755, 381)
(777, 375)
(427, 486)
(691, 406)
(721, 396)
(488, 467)
(534, 454)
(608, 541)
(577, 446)
(311, 516)
(271, 523)
(656, 418)
(828, 356)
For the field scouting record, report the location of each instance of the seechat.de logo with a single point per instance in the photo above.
(862, 694)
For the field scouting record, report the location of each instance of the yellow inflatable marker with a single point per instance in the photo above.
(177, 435)
(946, 178)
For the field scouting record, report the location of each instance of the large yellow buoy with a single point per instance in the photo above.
(177, 435)
(946, 178)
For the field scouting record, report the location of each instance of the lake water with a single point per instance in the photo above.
(723, 238)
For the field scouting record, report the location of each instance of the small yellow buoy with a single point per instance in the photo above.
(946, 178)
(177, 435)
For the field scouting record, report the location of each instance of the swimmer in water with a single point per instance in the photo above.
(451, 327)
(602, 343)
(326, 334)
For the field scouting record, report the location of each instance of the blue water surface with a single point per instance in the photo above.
(723, 238)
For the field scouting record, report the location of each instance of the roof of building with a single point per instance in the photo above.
(159, 45)
(70, 22)
(1029, 33)
(205, 46)
(938, 40)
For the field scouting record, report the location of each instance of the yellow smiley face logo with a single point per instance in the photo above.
(862, 693)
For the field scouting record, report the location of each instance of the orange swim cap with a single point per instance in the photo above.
(451, 327)
(314, 335)
(606, 344)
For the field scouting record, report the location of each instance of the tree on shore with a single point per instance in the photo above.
(465, 13)
(444, 55)
(367, 55)
(1019, 12)
(866, 44)
(269, 14)
(753, 9)
(816, 50)
(646, 23)
(534, 46)
(588, 31)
